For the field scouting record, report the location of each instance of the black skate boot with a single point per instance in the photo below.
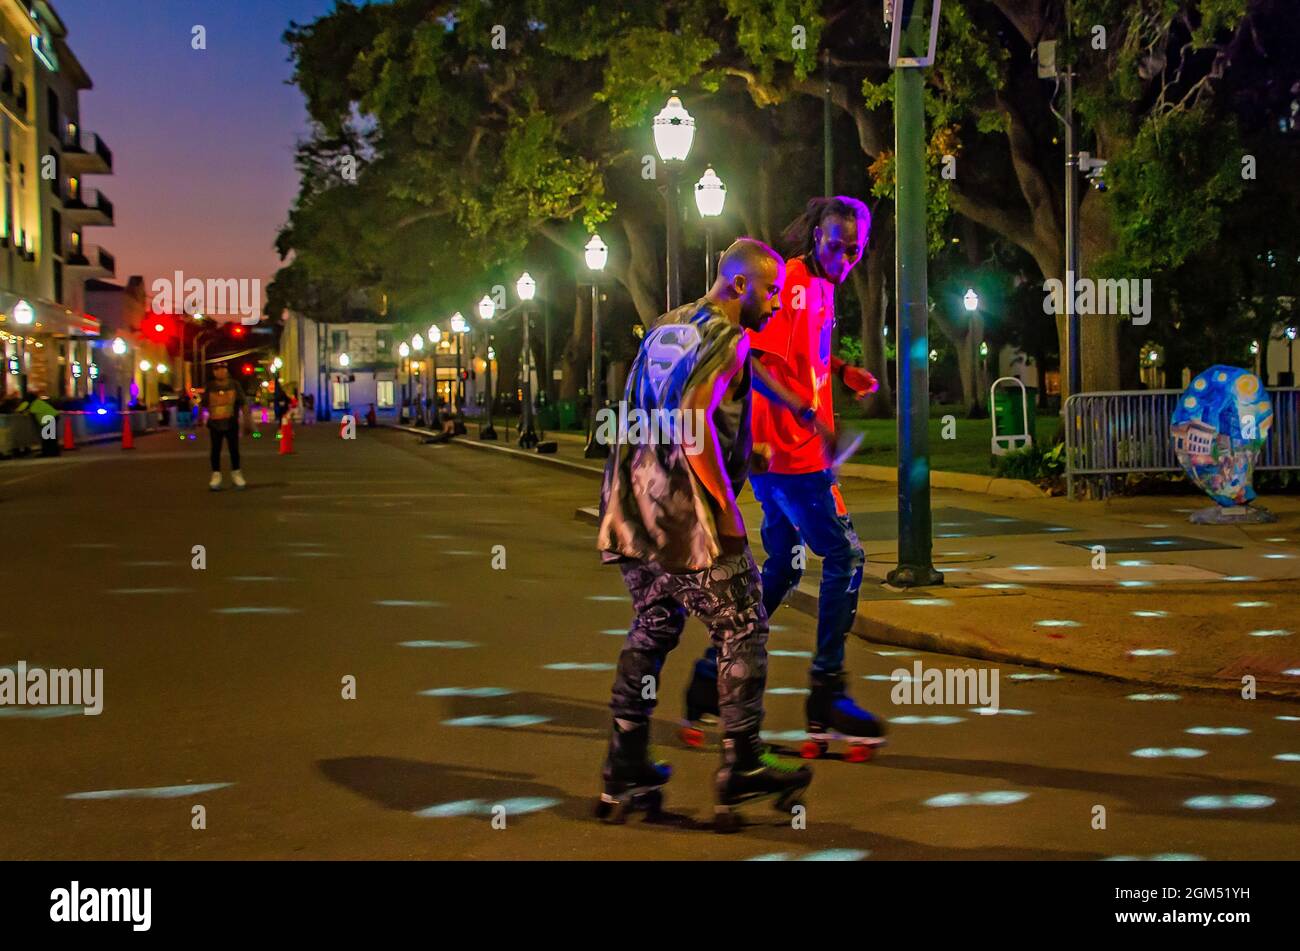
(832, 715)
(701, 703)
(632, 780)
(751, 773)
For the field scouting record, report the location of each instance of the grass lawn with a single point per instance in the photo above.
(968, 452)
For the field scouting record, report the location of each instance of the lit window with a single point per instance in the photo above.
(384, 394)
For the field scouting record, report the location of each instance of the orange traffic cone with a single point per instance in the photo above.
(69, 441)
(128, 437)
(286, 436)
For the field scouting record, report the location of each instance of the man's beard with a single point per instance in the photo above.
(752, 317)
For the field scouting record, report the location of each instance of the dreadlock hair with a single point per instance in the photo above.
(798, 237)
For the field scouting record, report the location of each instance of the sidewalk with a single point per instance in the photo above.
(1177, 604)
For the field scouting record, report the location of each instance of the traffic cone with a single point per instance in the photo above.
(69, 441)
(128, 437)
(286, 437)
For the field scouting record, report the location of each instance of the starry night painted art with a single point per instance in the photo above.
(1220, 425)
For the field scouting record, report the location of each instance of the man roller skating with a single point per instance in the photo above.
(793, 428)
(670, 519)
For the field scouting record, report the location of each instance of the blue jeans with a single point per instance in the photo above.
(805, 510)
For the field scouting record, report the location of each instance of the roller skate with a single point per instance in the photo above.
(633, 781)
(832, 715)
(750, 774)
(701, 703)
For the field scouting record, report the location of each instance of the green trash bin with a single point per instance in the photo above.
(566, 412)
(1009, 412)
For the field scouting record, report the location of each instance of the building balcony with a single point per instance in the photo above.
(90, 207)
(92, 261)
(84, 153)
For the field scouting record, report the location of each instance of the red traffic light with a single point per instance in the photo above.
(246, 369)
(158, 326)
(238, 330)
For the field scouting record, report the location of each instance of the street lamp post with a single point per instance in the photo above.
(710, 194)
(597, 254)
(417, 347)
(526, 287)
(487, 309)
(915, 566)
(971, 301)
(404, 351)
(435, 338)
(458, 328)
(674, 131)
(1290, 334)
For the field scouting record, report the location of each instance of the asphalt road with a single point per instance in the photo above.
(373, 559)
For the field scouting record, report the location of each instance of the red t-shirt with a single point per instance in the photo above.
(796, 349)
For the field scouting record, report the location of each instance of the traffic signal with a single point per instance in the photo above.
(238, 331)
(246, 369)
(158, 327)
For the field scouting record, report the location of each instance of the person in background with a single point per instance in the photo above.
(224, 400)
(371, 419)
(184, 410)
(44, 413)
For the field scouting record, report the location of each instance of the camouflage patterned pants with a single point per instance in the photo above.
(728, 599)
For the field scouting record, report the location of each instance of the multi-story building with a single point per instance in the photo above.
(351, 364)
(46, 207)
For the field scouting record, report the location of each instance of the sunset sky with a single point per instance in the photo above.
(202, 141)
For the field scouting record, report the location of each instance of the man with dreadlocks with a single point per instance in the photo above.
(793, 426)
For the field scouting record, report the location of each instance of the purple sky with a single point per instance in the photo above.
(202, 141)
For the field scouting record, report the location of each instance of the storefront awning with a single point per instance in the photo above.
(48, 318)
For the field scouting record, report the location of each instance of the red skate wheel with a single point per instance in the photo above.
(691, 736)
(859, 753)
(811, 749)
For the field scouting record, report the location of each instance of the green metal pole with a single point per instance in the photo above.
(828, 148)
(915, 568)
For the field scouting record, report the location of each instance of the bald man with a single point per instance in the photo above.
(670, 519)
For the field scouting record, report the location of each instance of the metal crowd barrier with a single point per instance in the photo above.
(1114, 433)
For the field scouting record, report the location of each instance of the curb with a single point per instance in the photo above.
(963, 481)
(804, 599)
(589, 471)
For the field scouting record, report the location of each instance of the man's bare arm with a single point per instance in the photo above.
(707, 464)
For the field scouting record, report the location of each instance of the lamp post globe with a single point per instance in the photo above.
(710, 194)
(119, 346)
(435, 334)
(458, 325)
(487, 308)
(971, 299)
(526, 287)
(674, 130)
(597, 253)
